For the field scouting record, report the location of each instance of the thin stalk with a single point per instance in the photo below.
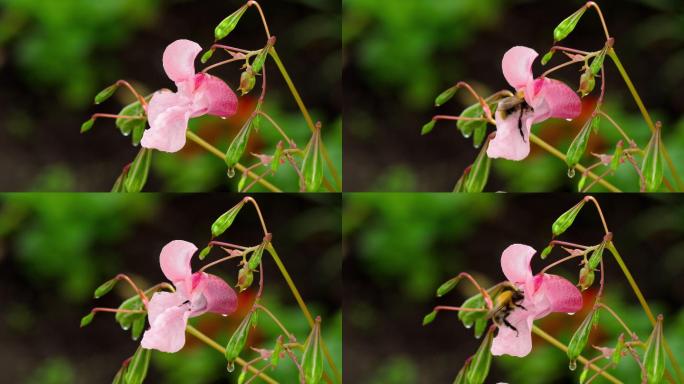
(208, 341)
(553, 341)
(305, 113)
(214, 151)
(618, 318)
(644, 113)
(632, 283)
(302, 307)
(270, 314)
(549, 148)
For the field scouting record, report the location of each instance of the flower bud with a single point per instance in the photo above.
(137, 174)
(596, 256)
(207, 55)
(479, 366)
(224, 221)
(479, 172)
(105, 288)
(255, 258)
(586, 278)
(87, 319)
(229, 23)
(578, 146)
(429, 318)
(260, 59)
(427, 128)
(245, 278)
(237, 341)
(447, 286)
(87, 126)
(547, 57)
(445, 96)
(587, 82)
(565, 220)
(247, 81)
(597, 62)
(106, 93)
(546, 251)
(312, 359)
(580, 338)
(568, 25)
(652, 165)
(137, 366)
(654, 357)
(205, 251)
(312, 166)
(238, 145)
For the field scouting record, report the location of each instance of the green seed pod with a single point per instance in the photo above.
(207, 55)
(312, 359)
(447, 286)
(137, 367)
(275, 357)
(138, 327)
(586, 278)
(224, 221)
(578, 146)
(427, 128)
(587, 82)
(242, 182)
(255, 258)
(205, 251)
(245, 278)
(597, 62)
(478, 370)
(275, 163)
(564, 221)
(106, 93)
(581, 336)
(596, 256)
(87, 319)
(568, 25)
(445, 96)
(654, 357)
(595, 123)
(238, 145)
(105, 288)
(229, 23)
(581, 182)
(617, 352)
(87, 126)
(312, 166)
(260, 59)
(429, 318)
(584, 375)
(137, 174)
(652, 165)
(247, 81)
(468, 318)
(461, 376)
(238, 339)
(546, 251)
(615, 161)
(479, 172)
(547, 57)
(243, 375)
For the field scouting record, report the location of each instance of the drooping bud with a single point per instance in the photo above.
(596, 256)
(568, 25)
(312, 359)
(578, 146)
(654, 357)
(137, 366)
(427, 128)
(260, 59)
(205, 251)
(447, 286)
(429, 318)
(586, 278)
(587, 82)
(87, 319)
(87, 126)
(312, 166)
(224, 221)
(137, 174)
(478, 370)
(229, 23)
(581, 336)
(237, 341)
(255, 258)
(652, 165)
(245, 278)
(546, 251)
(207, 55)
(105, 288)
(597, 62)
(247, 81)
(547, 57)
(238, 145)
(106, 93)
(564, 221)
(445, 96)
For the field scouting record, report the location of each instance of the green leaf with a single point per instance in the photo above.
(126, 320)
(238, 145)
(87, 126)
(106, 93)
(478, 370)
(468, 318)
(137, 367)
(564, 221)
(580, 337)
(105, 288)
(568, 25)
(445, 96)
(652, 165)
(479, 172)
(136, 177)
(229, 23)
(135, 126)
(87, 319)
(578, 146)
(223, 222)
(312, 359)
(654, 357)
(312, 167)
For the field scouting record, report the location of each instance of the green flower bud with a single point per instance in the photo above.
(87, 319)
(137, 174)
(564, 221)
(312, 359)
(445, 96)
(427, 128)
(207, 55)
(586, 278)
(245, 278)
(312, 166)
(229, 23)
(568, 25)
(238, 145)
(205, 251)
(587, 82)
(447, 286)
(106, 93)
(237, 341)
(580, 338)
(429, 318)
(578, 146)
(87, 126)
(654, 357)
(255, 258)
(546, 251)
(596, 256)
(547, 57)
(652, 165)
(479, 172)
(137, 366)
(479, 366)
(597, 62)
(224, 221)
(105, 288)
(247, 81)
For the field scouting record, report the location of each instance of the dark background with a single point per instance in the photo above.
(399, 55)
(401, 247)
(55, 249)
(56, 55)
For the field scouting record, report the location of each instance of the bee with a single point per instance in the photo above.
(505, 302)
(514, 104)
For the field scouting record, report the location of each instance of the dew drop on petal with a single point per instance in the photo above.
(224, 315)
(571, 172)
(571, 313)
(568, 119)
(223, 117)
(230, 367)
(230, 172)
(572, 365)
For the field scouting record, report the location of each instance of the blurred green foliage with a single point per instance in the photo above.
(56, 42)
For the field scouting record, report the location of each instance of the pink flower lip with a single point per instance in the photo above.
(543, 294)
(198, 94)
(196, 293)
(542, 98)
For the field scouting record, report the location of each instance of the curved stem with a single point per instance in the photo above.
(553, 341)
(549, 148)
(277, 127)
(208, 341)
(263, 18)
(644, 113)
(270, 314)
(591, 4)
(561, 261)
(214, 151)
(644, 305)
(251, 200)
(305, 113)
(302, 307)
(617, 127)
(618, 318)
(560, 66)
(600, 212)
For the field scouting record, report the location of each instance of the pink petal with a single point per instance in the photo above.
(508, 143)
(179, 59)
(517, 66)
(552, 98)
(515, 263)
(167, 332)
(213, 96)
(220, 297)
(175, 260)
(559, 295)
(510, 342)
(168, 115)
(161, 301)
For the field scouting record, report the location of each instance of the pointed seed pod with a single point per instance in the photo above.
(564, 221)
(652, 165)
(87, 319)
(255, 258)
(445, 96)
(238, 145)
(275, 357)
(312, 166)
(615, 161)
(447, 286)
(429, 318)
(546, 251)
(479, 366)
(597, 62)
(427, 128)
(207, 55)
(224, 221)
(237, 341)
(106, 93)
(578, 146)
(654, 357)
(617, 352)
(205, 251)
(596, 256)
(581, 336)
(105, 288)
(568, 25)
(229, 23)
(87, 126)
(547, 57)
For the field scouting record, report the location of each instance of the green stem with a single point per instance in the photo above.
(553, 341)
(644, 305)
(214, 151)
(303, 307)
(305, 113)
(549, 148)
(644, 113)
(208, 341)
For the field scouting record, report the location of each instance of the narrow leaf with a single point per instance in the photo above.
(137, 174)
(479, 172)
(137, 367)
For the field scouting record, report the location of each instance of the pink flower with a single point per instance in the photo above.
(198, 94)
(196, 293)
(536, 100)
(543, 294)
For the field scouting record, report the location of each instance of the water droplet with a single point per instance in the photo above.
(222, 117)
(230, 172)
(571, 313)
(572, 365)
(571, 172)
(224, 315)
(468, 326)
(230, 367)
(467, 134)
(568, 119)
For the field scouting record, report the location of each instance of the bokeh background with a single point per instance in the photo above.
(56, 55)
(399, 55)
(400, 247)
(55, 249)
